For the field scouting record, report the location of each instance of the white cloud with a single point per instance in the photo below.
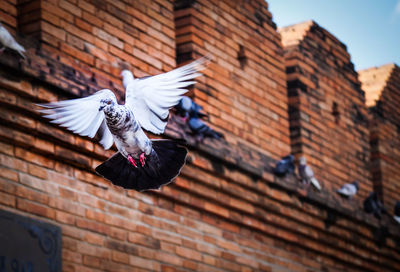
(397, 8)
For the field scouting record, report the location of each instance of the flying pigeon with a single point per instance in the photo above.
(285, 166)
(349, 189)
(307, 174)
(8, 41)
(397, 212)
(372, 204)
(140, 163)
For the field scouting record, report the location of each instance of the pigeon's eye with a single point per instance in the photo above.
(108, 102)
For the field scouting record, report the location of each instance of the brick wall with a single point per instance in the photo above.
(382, 87)
(244, 90)
(328, 116)
(226, 211)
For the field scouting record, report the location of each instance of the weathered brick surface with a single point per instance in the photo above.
(226, 211)
(382, 87)
(328, 116)
(244, 90)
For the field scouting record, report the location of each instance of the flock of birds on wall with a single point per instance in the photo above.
(372, 204)
(144, 164)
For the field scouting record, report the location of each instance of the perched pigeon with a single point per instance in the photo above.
(349, 189)
(372, 204)
(201, 130)
(183, 107)
(8, 41)
(188, 108)
(192, 113)
(285, 166)
(307, 174)
(140, 163)
(397, 212)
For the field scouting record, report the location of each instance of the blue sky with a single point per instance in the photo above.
(369, 28)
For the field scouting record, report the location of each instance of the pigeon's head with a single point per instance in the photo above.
(302, 161)
(356, 184)
(184, 105)
(106, 104)
(289, 158)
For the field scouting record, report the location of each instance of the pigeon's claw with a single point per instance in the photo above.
(142, 159)
(132, 161)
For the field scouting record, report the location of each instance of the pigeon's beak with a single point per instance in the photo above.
(101, 107)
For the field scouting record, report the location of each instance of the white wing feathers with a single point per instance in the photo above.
(106, 137)
(82, 115)
(151, 98)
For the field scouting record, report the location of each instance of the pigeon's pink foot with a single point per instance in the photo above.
(132, 161)
(142, 159)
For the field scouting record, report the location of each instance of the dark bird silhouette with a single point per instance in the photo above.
(285, 166)
(201, 130)
(372, 204)
(396, 215)
(192, 114)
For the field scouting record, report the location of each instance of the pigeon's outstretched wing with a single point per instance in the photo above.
(151, 98)
(82, 116)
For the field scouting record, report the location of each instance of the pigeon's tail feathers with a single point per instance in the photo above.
(161, 167)
(316, 184)
(20, 49)
(22, 54)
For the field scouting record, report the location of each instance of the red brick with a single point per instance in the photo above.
(120, 257)
(37, 171)
(94, 238)
(65, 218)
(7, 199)
(93, 226)
(34, 208)
(86, 6)
(8, 174)
(188, 253)
(59, 33)
(34, 158)
(30, 194)
(78, 54)
(67, 6)
(144, 263)
(140, 239)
